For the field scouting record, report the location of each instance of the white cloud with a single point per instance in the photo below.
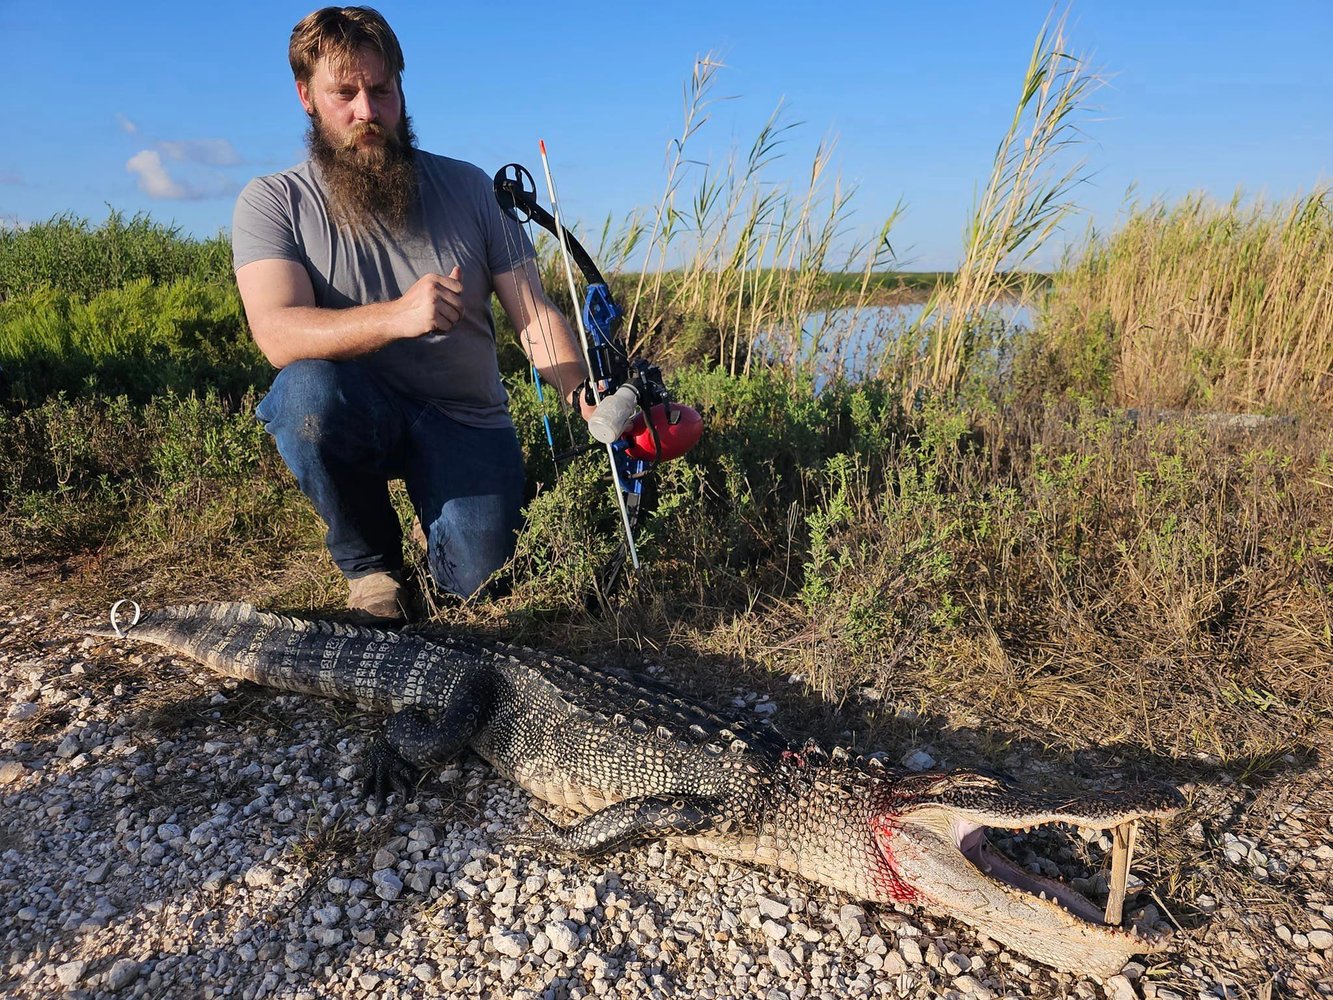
(125, 124)
(210, 152)
(154, 180)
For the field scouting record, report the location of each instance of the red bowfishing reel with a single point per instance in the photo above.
(663, 431)
(641, 414)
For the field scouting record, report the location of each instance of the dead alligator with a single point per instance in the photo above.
(643, 763)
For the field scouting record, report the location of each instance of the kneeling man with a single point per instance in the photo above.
(366, 274)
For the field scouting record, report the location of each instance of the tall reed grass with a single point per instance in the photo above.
(744, 272)
(1025, 200)
(1225, 306)
(733, 265)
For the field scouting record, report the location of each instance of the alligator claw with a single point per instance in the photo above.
(387, 772)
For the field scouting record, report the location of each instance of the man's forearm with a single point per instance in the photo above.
(298, 333)
(554, 351)
(288, 326)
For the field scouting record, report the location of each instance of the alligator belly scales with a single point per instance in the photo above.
(640, 762)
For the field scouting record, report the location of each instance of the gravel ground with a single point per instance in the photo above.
(163, 834)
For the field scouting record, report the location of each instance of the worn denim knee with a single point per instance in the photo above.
(344, 436)
(341, 434)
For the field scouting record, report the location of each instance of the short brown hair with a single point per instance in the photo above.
(340, 33)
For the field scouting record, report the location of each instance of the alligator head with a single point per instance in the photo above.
(930, 833)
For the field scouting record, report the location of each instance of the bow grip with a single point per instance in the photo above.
(614, 412)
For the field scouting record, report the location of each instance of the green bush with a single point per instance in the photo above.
(67, 254)
(139, 340)
(177, 471)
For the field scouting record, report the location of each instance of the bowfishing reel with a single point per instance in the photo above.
(641, 414)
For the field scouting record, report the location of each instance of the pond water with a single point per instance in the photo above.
(853, 341)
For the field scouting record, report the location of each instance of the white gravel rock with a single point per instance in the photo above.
(387, 884)
(893, 964)
(956, 963)
(562, 938)
(326, 937)
(783, 964)
(70, 972)
(1321, 939)
(262, 877)
(122, 973)
(584, 897)
(510, 944)
(774, 909)
(973, 987)
(911, 952)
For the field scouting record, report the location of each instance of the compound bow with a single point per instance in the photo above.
(635, 418)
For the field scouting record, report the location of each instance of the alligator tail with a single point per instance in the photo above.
(235, 640)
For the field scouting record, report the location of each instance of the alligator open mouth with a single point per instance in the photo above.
(976, 847)
(946, 859)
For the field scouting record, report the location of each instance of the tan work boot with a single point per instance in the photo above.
(378, 599)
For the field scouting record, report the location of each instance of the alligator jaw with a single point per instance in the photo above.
(947, 861)
(976, 848)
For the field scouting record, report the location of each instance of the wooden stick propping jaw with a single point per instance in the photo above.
(1122, 853)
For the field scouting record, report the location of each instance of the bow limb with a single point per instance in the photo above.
(513, 194)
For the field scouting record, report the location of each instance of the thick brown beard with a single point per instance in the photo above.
(371, 184)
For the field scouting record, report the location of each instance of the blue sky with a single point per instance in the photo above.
(168, 108)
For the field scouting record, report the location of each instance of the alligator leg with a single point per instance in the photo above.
(649, 817)
(410, 741)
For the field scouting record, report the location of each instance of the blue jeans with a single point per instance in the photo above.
(344, 435)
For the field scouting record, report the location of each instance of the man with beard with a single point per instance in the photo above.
(366, 274)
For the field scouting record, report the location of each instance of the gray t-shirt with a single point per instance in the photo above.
(284, 216)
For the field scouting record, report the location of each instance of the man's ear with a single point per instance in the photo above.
(303, 92)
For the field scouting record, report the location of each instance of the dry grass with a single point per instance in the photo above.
(1164, 590)
(1226, 307)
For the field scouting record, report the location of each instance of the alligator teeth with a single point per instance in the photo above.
(1122, 853)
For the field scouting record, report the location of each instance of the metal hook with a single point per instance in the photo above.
(115, 627)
